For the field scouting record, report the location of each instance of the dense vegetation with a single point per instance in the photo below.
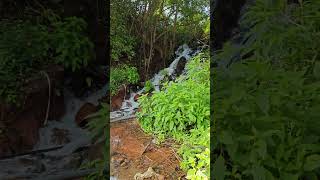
(99, 130)
(182, 111)
(145, 33)
(122, 75)
(27, 47)
(266, 107)
(35, 39)
(144, 36)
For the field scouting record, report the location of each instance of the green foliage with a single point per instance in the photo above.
(195, 152)
(266, 108)
(122, 75)
(148, 86)
(267, 122)
(73, 49)
(182, 111)
(122, 42)
(98, 127)
(96, 164)
(23, 46)
(137, 26)
(26, 47)
(98, 122)
(283, 33)
(194, 21)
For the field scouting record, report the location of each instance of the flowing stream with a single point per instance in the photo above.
(52, 162)
(37, 166)
(129, 106)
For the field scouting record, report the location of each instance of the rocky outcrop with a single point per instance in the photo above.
(180, 66)
(20, 124)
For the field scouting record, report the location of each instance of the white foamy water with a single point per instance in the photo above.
(78, 137)
(57, 160)
(129, 106)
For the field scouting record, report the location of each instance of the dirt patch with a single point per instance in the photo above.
(132, 152)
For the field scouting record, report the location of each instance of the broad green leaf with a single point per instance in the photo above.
(219, 168)
(312, 162)
(263, 103)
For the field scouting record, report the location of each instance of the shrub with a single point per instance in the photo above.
(182, 110)
(267, 123)
(283, 33)
(123, 74)
(72, 49)
(266, 108)
(148, 86)
(26, 48)
(99, 128)
(23, 48)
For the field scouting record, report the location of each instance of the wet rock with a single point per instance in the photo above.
(180, 66)
(38, 167)
(73, 161)
(116, 100)
(60, 136)
(136, 97)
(83, 112)
(33, 165)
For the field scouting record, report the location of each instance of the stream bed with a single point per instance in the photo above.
(130, 105)
(135, 155)
(69, 141)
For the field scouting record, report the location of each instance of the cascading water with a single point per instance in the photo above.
(52, 162)
(129, 106)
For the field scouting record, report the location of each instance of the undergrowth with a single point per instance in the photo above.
(122, 75)
(98, 127)
(266, 107)
(25, 48)
(182, 111)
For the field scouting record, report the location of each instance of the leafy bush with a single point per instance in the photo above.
(266, 108)
(26, 48)
(98, 127)
(148, 86)
(267, 123)
(182, 111)
(73, 49)
(195, 152)
(23, 47)
(283, 33)
(122, 42)
(120, 75)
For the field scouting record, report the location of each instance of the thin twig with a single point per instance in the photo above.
(49, 97)
(175, 154)
(146, 147)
